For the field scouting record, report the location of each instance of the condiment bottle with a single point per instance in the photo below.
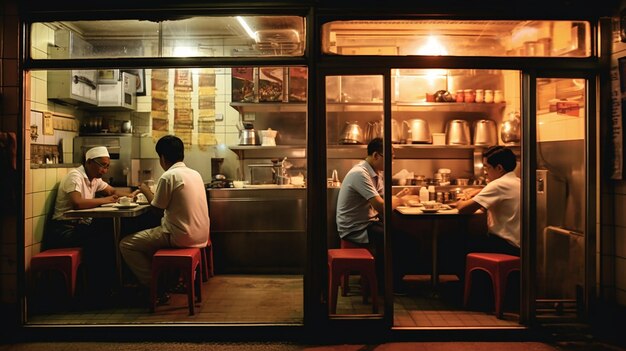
(459, 96)
(488, 96)
(423, 194)
(469, 95)
(498, 97)
(480, 95)
(431, 193)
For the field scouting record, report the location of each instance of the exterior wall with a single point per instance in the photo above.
(612, 220)
(9, 112)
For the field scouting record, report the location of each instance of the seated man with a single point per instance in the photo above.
(501, 198)
(78, 190)
(181, 196)
(360, 206)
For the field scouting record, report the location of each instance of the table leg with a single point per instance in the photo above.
(117, 229)
(435, 274)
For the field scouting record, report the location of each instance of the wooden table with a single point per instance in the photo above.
(436, 217)
(108, 211)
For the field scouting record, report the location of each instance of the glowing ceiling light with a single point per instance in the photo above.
(185, 51)
(432, 47)
(246, 27)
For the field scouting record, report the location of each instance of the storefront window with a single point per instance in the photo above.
(251, 36)
(457, 38)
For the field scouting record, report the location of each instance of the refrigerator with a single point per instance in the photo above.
(560, 223)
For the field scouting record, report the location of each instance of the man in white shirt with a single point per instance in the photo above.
(181, 197)
(501, 198)
(83, 188)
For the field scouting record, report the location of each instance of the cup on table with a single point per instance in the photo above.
(238, 184)
(431, 205)
(141, 198)
(124, 201)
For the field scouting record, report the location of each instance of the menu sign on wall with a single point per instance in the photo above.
(618, 95)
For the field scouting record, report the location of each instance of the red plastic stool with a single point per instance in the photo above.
(498, 266)
(65, 260)
(340, 263)
(207, 261)
(188, 261)
(345, 286)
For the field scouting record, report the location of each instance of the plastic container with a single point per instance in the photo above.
(423, 194)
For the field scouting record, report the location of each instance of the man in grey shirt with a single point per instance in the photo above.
(360, 207)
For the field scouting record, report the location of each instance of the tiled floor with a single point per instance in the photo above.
(279, 299)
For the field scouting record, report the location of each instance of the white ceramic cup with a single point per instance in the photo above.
(238, 184)
(124, 201)
(141, 198)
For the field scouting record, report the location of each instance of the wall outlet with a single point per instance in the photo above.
(219, 116)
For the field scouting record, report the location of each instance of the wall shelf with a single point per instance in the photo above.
(368, 106)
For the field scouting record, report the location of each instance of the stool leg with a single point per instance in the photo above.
(373, 286)
(332, 291)
(188, 276)
(468, 287)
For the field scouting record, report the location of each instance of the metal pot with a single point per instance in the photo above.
(510, 130)
(457, 132)
(351, 134)
(485, 132)
(420, 132)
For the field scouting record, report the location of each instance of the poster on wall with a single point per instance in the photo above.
(206, 108)
(183, 112)
(618, 96)
(159, 110)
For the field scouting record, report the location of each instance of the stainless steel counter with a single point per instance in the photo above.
(258, 230)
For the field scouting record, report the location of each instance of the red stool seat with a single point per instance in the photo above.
(65, 260)
(340, 263)
(188, 261)
(498, 266)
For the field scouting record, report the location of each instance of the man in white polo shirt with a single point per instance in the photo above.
(181, 196)
(501, 198)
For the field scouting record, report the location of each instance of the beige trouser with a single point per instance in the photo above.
(138, 249)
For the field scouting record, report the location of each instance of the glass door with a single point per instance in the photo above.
(355, 160)
(562, 157)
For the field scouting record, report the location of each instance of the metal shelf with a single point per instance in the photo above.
(367, 106)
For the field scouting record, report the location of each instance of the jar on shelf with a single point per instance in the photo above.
(460, 97)
(480, 95)
(488, 96)
(498, 96)
(469, 95)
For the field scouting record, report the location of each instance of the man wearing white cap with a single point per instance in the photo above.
(78, 190)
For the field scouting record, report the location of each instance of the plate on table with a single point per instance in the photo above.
(131, 205)
(430, 210)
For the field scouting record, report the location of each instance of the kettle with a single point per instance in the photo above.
(247, 136)
(397, 132)
(127, 127)
(510, 130)
(457, 132)
(351, 134)
(420, 132)
(374, 130)
(485, 132)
